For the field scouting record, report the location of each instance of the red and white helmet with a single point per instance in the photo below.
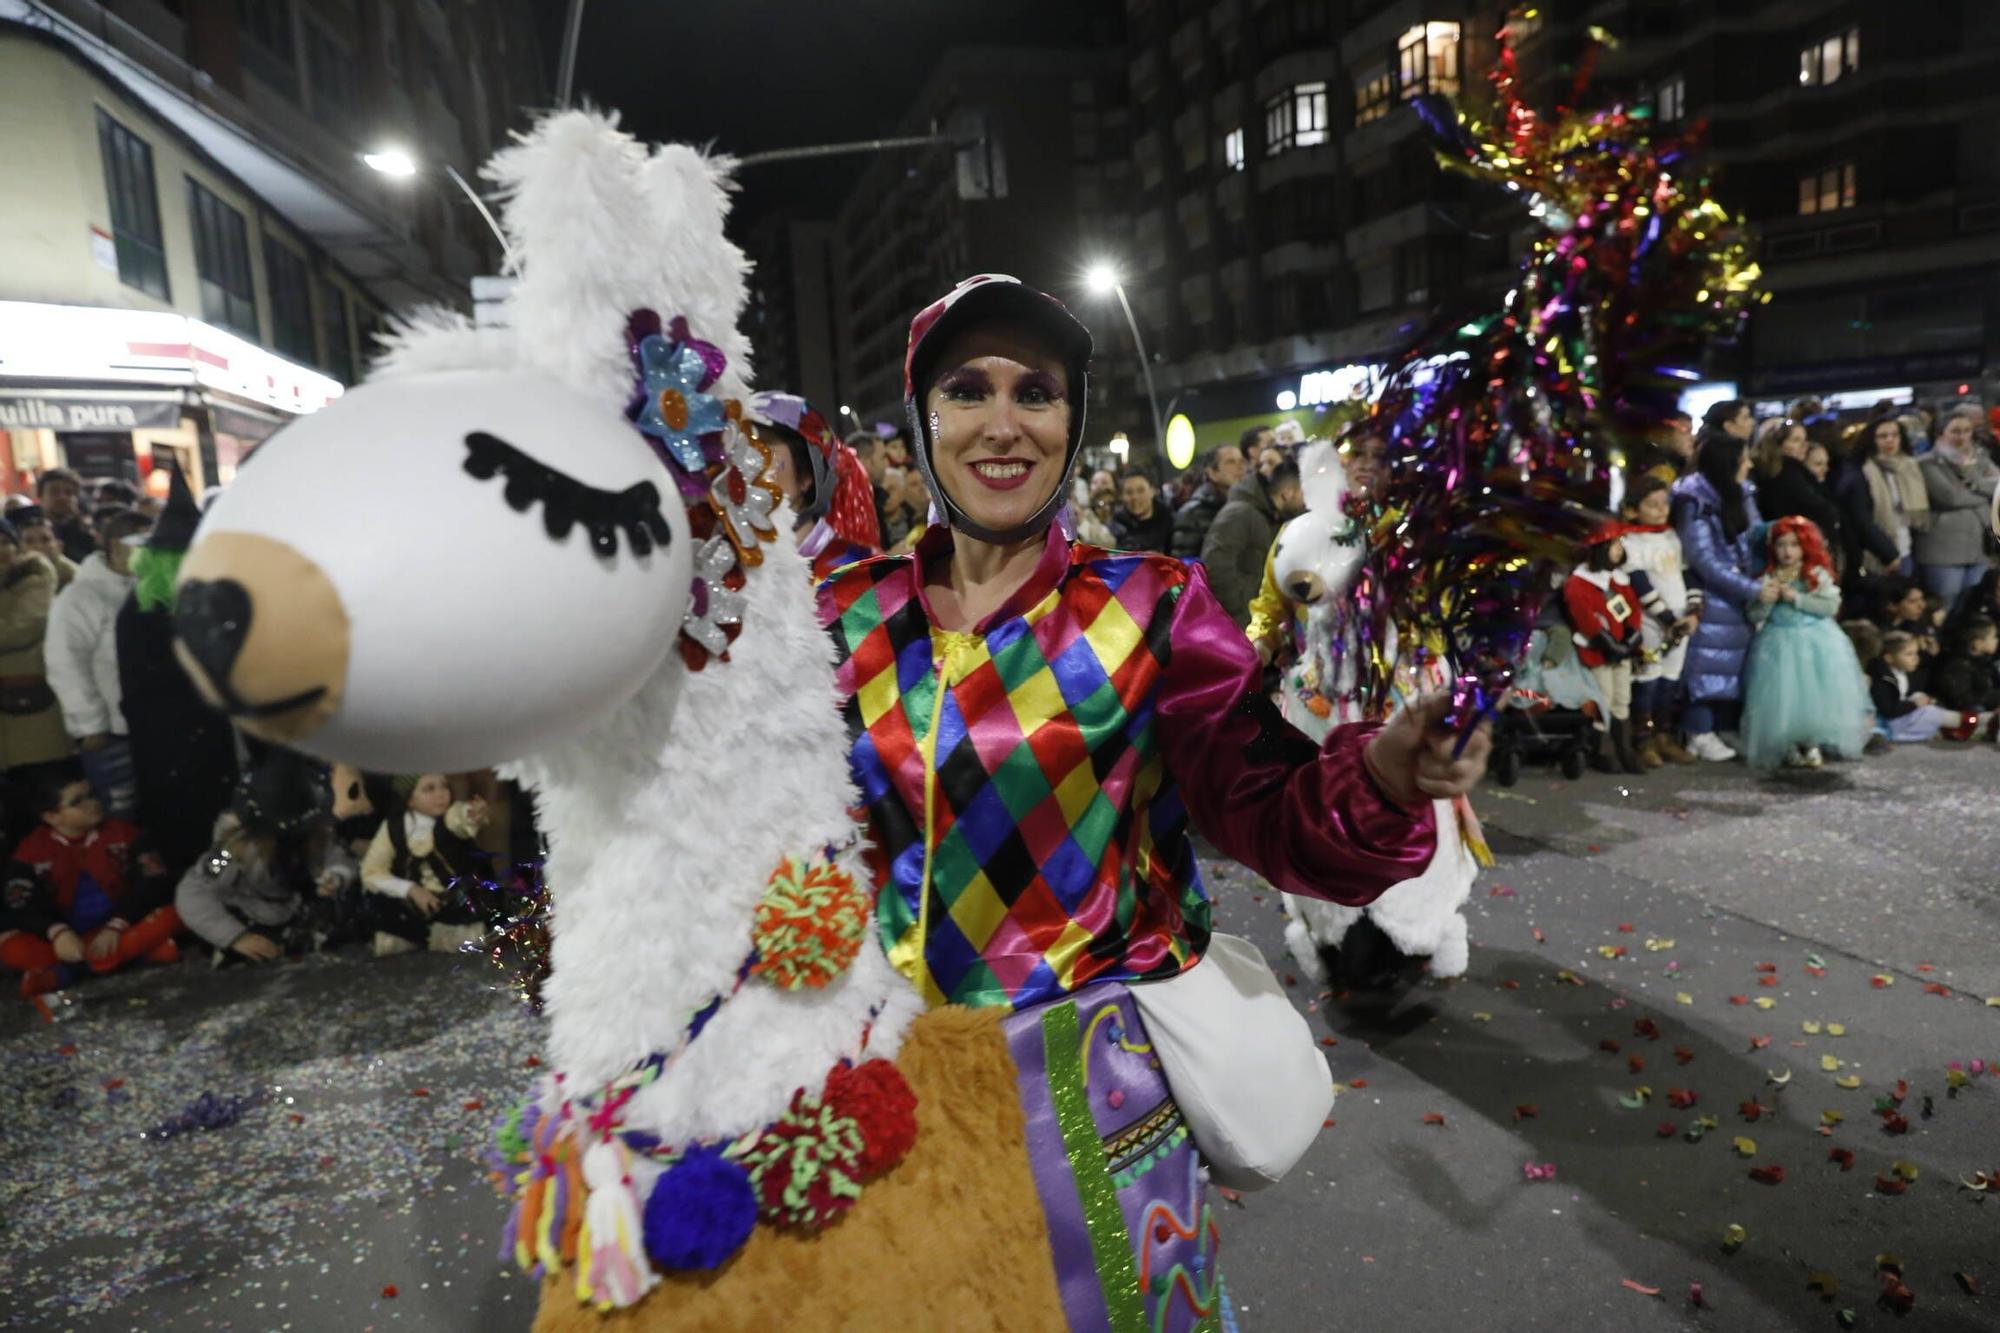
(991, 298)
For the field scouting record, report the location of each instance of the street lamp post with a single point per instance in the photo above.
(1103, 278)
(397, 164)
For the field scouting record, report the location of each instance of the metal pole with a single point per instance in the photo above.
(837, 149)
(566, 75)
(1145, 365)
(506, 250)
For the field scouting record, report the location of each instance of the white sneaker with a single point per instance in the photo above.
(453, 939)
(1813, 758)
(1707, 745)
(387, 944)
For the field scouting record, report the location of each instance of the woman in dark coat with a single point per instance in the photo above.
(1786, 487)
(1713, 514)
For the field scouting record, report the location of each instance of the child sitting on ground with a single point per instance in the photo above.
(1967, 679)
(83, 893)
(414, 864)
(1803, 694)
(1905, 712)
(275, 881)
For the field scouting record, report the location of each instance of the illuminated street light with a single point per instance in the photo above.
(391, 162)
(1102, 278)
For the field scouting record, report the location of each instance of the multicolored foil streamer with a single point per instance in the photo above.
(1502, 431)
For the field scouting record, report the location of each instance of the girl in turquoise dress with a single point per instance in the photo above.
(1805, 694)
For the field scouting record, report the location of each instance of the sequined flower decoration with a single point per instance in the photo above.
(676, 412)
(809, 925)
(745, 496)
(715, 614)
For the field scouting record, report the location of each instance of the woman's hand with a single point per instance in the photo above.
(102, 945)
(424, 900)
(1411, 758)
(68, 946)
(1768, 592)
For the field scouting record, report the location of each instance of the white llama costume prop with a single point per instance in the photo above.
(664, 688)
(1318, 558)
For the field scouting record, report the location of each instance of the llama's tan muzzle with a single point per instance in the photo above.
(260, 630)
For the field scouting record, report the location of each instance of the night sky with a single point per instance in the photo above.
(750, 75)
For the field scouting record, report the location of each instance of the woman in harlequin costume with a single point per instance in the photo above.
(833, 502)
(1039, 725)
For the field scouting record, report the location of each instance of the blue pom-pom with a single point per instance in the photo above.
(701, 1211)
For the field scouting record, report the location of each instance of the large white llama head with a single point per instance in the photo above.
(1320, 551)
(479, 551)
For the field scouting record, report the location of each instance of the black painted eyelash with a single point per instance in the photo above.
(566, 502)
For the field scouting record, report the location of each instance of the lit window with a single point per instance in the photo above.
(1232, 149)
(1827, 191)
(1374, 91)
(1295, 118)
(1830, 60)
(1277, 124)
(1427, 59)
(1671, 103)
(1309, 103)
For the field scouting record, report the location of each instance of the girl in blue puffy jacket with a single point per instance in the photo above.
(1713, 512)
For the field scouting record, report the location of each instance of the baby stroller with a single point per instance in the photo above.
(1543, 720)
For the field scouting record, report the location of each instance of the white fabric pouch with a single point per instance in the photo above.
(1241, 1062)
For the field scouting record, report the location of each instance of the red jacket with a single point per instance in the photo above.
(1603, 611)
(107, 875)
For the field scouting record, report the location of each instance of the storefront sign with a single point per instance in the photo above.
(63, 342)
(1362, 379)
(65, 413)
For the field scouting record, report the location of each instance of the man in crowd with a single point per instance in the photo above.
(1221, 469)
(1141, 522)
(1242, 534)
(61, 494)
(183, 752)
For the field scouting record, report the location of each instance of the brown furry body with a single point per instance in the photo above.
(953, 1238)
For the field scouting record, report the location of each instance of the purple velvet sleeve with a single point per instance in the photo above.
(1313, 822)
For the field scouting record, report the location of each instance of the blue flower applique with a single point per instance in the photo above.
(676, 412)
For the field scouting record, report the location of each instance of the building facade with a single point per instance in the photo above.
(1858, 138)
(909, 230)
(1289, 225)
(193, 249)
(789, 319)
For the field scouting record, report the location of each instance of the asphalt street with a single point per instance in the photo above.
(1648, 952)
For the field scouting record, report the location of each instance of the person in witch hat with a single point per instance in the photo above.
(276, 881)
(184, 753)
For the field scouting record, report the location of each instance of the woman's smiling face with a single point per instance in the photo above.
(999, 412)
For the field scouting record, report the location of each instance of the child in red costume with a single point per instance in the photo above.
(1607, 626)
(83, 891)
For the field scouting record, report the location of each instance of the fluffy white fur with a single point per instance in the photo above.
(666, 820)
(1421, 916)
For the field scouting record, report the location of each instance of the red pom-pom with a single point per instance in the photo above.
(875, 1097)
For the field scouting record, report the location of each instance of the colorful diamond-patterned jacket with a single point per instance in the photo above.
(1029, 785)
